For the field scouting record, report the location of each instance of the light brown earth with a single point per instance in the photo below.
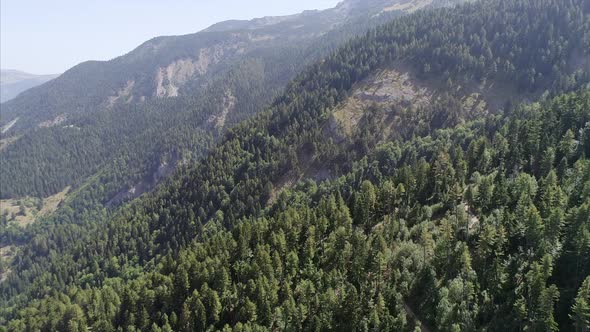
(383, 89)
(51, 123)
(125, 93)
(229, 103)
(5, 142)
(409, 6)
(50, 204)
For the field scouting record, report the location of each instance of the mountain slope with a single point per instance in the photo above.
(179, 65)
(204, 83)
(13, 82)
(163, 231)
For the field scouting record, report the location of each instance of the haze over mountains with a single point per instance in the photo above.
(184, 65)
(378, 166)
(13, 82)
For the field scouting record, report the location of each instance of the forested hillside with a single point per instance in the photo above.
(80, 124)
(456, 223)
(484, 226)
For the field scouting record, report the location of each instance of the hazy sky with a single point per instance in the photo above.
(50, 36)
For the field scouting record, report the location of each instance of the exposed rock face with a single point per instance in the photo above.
(51, 123)
(171, 78)
(397, 97)
(124, 93)
(409, 6)
(384, 89)
(5, 142)
(165, 168)
(9, 125)
(178, 66)
(261, 38)
(229, 103)
(347, 7)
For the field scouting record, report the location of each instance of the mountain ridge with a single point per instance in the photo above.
(199, 71)
(215, 47)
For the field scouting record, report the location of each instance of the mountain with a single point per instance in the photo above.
(13, 82)
(182, 65)
(189, 89)
(430, 174)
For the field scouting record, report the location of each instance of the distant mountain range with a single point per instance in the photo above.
(13, 82)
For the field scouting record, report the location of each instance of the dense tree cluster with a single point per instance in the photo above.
(460, 224)
(447, 238)
(92, 141)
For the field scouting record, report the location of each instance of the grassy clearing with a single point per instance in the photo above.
(25, 211)
(5, 142)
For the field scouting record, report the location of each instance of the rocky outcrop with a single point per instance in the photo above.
(408, 6)
(125, 94)
(383, 90)
(164, 170)
(229, 103)
(54, 122)
(171, 78)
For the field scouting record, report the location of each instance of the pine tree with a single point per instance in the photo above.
(580, 313)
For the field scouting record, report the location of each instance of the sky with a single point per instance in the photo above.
(51, 36)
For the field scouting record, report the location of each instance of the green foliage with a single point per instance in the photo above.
(124, 141)
(459, 225)
(309, 266)
(581, 308)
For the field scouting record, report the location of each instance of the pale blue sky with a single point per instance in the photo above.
(50, 36)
